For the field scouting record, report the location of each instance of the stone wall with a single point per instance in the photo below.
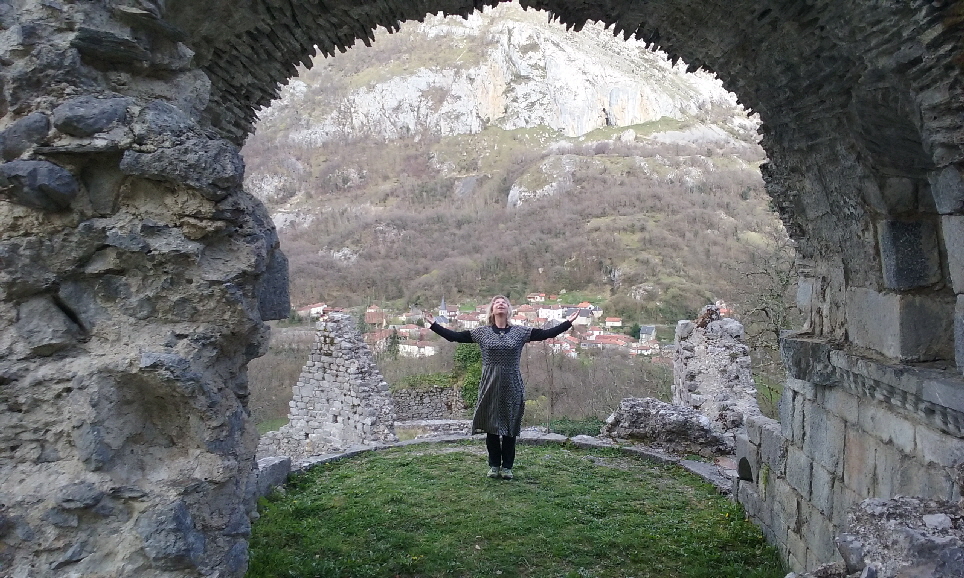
(850, 429)
(340, 399)
(135, 278)
(431, 403)
(711, 370)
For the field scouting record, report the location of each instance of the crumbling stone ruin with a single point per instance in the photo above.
(673, 428)
(137, 274)
(340, 399)
(711, 370)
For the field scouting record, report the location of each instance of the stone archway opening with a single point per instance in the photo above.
(137, 275)
(295, 164)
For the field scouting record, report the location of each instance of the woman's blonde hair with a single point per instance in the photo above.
(491, 318)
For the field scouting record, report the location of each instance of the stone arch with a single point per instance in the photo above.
(133, 261)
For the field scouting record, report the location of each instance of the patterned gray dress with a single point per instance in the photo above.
(501, 391)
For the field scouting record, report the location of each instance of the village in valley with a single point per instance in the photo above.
(592, 329)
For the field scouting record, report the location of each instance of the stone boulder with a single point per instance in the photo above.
(909, 536)
(38, 184)
(674, 428)
(86, 115)
(22, 134)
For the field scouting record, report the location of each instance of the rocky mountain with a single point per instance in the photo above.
(504, 67)
(372, 160)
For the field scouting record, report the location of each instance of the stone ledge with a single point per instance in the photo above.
(934, 395)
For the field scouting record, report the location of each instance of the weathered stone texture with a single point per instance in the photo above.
(339, 401)
(674, 428)
(711, 371)
(129, 309)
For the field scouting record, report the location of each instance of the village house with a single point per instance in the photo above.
(417, 348)
(519, 319)
(528, 311)
(614, 322)
(467, 321)
(552, 312)
(566, 344)
(377, 340)
(612, 341)
(375, 315)
(647, 333)
(536, 297)
(584, 319)
(410, 331)
(647, 349)
(411, 316)
(313, 311)
(592, 331)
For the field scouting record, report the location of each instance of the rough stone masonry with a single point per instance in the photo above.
(136, 274)
(711, 371)
(339, 401)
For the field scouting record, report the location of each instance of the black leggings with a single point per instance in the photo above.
(500, 454)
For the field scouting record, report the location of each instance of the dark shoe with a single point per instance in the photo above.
(507, 474)
(494, 472)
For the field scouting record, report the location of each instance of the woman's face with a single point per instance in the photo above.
(500, 306)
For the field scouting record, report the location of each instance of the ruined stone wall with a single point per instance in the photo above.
(340, 399)
(135, 275)
(432, 403)
(850, 429)
(711, 371)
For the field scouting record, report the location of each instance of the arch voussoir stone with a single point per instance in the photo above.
(137, 274)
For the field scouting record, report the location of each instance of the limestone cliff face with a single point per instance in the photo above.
(504, 67)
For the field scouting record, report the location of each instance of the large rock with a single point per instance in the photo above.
(899, 538)
(38, 184)
(87, 115)
(674, 428)
(214, 167)
(24, 133)
(909, 536)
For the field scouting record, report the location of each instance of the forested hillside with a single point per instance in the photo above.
(652, 216)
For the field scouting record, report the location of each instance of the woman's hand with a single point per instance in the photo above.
(572, 316)
(427, 318)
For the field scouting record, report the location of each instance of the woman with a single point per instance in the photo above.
(498, 412)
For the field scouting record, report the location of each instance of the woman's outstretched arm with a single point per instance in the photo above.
(448, 334)
(543, 334)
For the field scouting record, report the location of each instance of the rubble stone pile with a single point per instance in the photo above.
(673, 428)
(711, 370)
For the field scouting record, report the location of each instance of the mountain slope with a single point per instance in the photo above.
(502, 154)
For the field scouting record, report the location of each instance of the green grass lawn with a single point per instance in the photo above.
(430, 511)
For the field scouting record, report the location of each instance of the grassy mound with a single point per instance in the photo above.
(430, 511)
